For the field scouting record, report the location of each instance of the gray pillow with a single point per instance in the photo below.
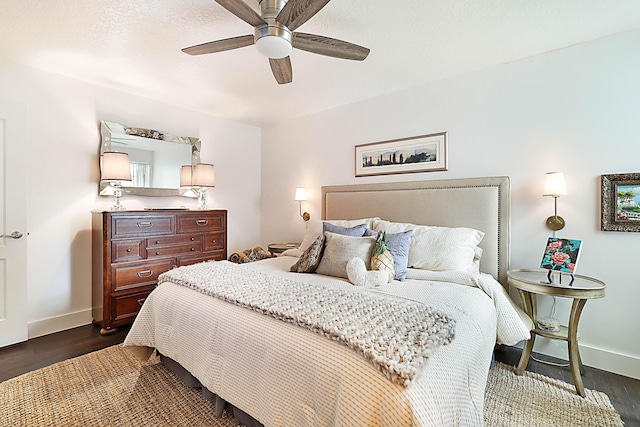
(398, 244)
(356, 231)
(339, 249)
(310, 258)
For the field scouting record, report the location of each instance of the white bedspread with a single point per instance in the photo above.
(284, 375)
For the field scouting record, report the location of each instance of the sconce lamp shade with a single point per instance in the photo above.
(185, 175)
(203, 175)
(115, 167)
(301, 194)
(555, 187)
(554, 184)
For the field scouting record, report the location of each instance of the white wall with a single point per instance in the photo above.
(574, 110)
(63, 144)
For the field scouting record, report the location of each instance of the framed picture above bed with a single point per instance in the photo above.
(424, 153)
(620, 202)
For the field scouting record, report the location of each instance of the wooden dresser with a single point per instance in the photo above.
(131, 248)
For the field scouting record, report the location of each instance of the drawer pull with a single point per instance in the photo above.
(141, 301)
(128, 249)
(144, 274)
(157, 242)
(145, 224)
(193, 249)
(202, 222)
(193, 238)
(158, 253)
(213, 240)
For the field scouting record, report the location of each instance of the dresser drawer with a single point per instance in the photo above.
(158, 242)
(201, 223)
(126, 307)
(192, 248)
(127, 250)
(213, 241)
(126, 226)
(130, 276)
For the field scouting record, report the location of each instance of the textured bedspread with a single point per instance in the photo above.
(395, 335)
(284, 375)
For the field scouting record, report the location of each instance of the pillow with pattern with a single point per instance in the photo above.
(310, 258)
(339, 249)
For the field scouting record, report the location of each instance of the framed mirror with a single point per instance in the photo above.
(155, 158)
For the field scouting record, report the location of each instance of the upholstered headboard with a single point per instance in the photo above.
(480, 203)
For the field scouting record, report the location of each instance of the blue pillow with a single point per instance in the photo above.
(398, 244)
(370, 233)
(357, 231)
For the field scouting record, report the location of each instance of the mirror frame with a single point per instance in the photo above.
(106, 132)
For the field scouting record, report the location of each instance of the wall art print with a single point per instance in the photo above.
(620, 202)
(425, 153)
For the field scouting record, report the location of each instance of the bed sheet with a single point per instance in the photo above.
(284, 375)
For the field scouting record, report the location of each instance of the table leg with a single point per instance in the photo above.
(529, 303)
(574, 352)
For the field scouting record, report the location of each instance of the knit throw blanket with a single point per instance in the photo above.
(393, 334)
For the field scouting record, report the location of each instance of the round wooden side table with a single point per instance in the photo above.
(530, 283)
(278, 248)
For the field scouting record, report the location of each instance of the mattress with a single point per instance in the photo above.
(285, 375)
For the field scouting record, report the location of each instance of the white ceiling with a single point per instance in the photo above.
(134, 46)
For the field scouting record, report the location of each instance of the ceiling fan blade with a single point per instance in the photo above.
(282, 70)
(219, 45)
(329, 47)
(242, 11)
(297, 12)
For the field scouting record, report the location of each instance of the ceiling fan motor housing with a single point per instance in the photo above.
(272, 39)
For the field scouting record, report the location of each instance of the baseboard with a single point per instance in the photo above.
(38, 328)
(598, 358)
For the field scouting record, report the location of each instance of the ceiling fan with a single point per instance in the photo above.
(274, 34)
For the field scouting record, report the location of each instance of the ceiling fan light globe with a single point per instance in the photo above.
(274, 47)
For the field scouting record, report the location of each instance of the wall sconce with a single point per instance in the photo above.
(115, 169)
(301, 196)
(197, 178)
(555, 187)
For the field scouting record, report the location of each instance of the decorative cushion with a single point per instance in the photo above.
(359, 276)
(315, 228)
(438, 248)
(399, 244)
(339, 249)
(355, 231)
(309, 260)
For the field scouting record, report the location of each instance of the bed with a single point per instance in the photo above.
(277, 370)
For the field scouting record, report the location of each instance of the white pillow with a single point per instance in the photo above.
(339, 249)
(314, 228)
(438, 248)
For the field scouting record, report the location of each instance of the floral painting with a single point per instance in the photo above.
(561, 255)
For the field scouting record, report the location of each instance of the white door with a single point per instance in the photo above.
(13, 223)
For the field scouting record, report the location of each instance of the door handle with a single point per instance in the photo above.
(14, 235)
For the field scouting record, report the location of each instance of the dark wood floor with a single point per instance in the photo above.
(21, 358)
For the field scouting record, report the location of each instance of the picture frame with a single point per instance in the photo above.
(424, 153)
(620, 204)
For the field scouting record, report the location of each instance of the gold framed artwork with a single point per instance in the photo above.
(620, 202)
(424, 153)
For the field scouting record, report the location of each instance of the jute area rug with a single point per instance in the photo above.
(111, 387)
